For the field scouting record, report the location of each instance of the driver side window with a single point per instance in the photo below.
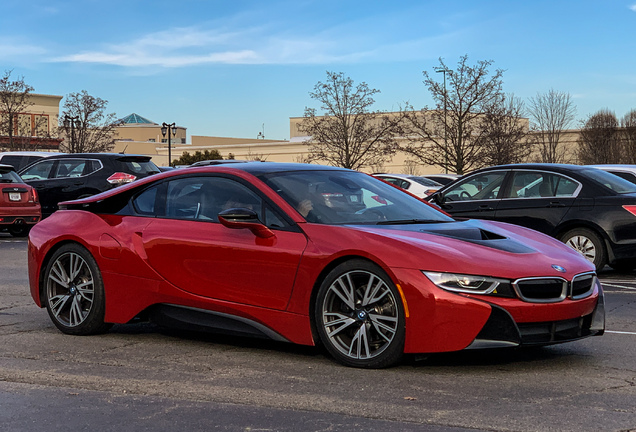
(479, 187)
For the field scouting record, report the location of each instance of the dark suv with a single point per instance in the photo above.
(72, 176)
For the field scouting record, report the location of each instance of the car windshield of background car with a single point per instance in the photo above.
(611, 181)
(426, 182)
(9, 176)
(346, 197)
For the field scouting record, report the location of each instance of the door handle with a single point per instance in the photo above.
(485, 207)
(555, 204)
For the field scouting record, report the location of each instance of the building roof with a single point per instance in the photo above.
(136, 119)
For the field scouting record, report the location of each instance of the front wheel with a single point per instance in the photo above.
(359, 316)
(588, 244)
(74, 292)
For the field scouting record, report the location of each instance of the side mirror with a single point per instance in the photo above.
(240, 218)
(439, 198)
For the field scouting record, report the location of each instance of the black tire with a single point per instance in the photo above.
(624, 265)
(74, 291)
(589, 244)
(19, 230)
(359, 316)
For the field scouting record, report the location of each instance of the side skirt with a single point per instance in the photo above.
(188, 318)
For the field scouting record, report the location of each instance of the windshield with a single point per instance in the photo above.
(9, 176)
(425, 182)
(611, 181)
(349, 197)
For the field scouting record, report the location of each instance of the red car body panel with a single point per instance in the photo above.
(26, 209)
(271, 281)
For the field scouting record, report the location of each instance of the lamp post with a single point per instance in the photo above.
(170, 129)
(444, 71)
(71, 121)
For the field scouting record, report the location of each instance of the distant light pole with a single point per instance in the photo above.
(445, 71)
(261, 135)
(70, 121)
(169, 129)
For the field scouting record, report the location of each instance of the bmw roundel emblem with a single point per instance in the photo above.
(559, 268)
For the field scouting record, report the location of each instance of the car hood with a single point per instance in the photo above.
(476, 247)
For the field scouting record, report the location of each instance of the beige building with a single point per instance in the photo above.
(37, 127)
(139, 135)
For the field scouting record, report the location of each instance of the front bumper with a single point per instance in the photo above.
(502, 331)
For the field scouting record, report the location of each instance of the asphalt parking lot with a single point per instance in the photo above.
(138, 377)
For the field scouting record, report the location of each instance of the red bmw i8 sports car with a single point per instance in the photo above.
(311, 255)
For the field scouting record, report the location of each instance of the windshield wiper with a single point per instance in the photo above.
(408, 221)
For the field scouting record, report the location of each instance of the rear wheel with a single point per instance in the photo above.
(360, 316)
(19, 230)
(74, 292)
(588, 244)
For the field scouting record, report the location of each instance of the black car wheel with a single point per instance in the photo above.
(588, 243)
(74, 291)
(19, 230)
(359, 316)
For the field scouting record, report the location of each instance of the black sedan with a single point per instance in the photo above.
(590, 210)
(71, 176)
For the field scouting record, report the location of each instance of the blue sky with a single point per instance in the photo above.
(226, 68)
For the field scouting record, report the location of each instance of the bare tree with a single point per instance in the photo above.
(552, 113)
(259, 157)
(88, 128)
(348, 134)
(599, 141)
(503, 132)
(628, 132)
(15, 99)
(449, 135)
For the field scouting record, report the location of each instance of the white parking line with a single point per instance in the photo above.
(620, 332)
(618, 286)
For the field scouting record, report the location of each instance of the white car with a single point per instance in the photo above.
(21, 159)
(442, 179)
(628, 172)
(417, 185)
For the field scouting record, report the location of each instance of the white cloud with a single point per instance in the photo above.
(12, 50)
(633, 7)
(182, 47)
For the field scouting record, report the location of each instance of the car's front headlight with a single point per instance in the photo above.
(471, 284)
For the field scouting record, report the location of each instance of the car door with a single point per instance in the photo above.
(190, 249)
(537, 199)
(476, 196)
(38, 175)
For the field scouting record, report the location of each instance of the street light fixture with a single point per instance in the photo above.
(72, 122)
(170, 129)
(444, 71)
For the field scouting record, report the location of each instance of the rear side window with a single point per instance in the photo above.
(137, 167)
(610, 181)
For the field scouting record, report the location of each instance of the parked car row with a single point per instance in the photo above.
(589, 209)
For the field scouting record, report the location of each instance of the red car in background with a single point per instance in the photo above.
(19, 205)
(311, 255)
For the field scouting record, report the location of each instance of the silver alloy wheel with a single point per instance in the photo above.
(70, 289)
(360, 315)
(584, 246)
